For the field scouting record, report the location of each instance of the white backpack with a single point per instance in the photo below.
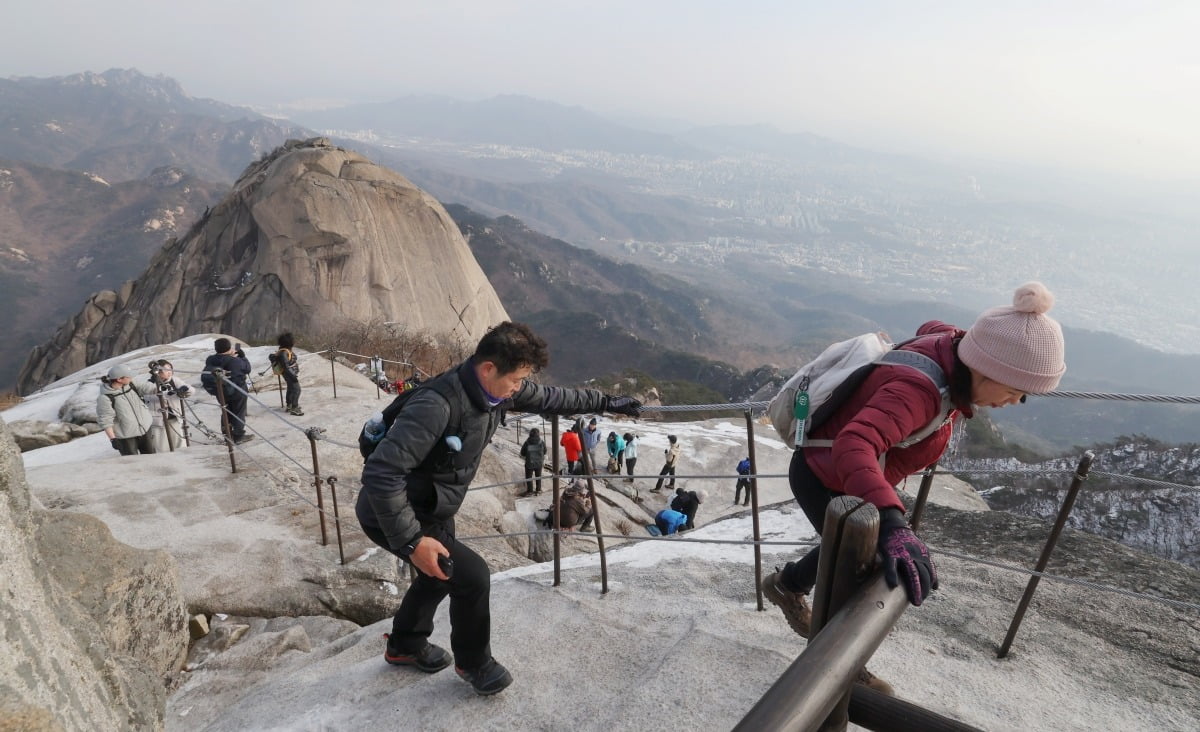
(826, 382)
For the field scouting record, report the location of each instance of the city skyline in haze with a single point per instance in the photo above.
(1108, 86)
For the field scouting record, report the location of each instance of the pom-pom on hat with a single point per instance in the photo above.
(1018, 346)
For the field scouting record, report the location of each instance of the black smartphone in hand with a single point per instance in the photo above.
(446, 564)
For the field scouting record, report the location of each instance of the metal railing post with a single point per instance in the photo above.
(279, 386)
(219, 376)
(922, 497)
(187, 440)
(337, 519)
(586, 457)
(1081, 472)
(555, 487)
(813, 692)
(754, 509)
(333, 371)
(313, 433)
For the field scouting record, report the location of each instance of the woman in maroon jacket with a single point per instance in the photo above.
(1009, 352)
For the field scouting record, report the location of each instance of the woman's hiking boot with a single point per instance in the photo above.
(429, 659)
(793, 604)
(871, 681)
(488, 679)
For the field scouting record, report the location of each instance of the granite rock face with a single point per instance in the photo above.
(92, 626)
(312, 238)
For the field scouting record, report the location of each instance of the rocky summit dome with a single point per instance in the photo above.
(312, 238)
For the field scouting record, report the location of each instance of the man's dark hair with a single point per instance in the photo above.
(287, 341)
(512, 345)
(222, 345)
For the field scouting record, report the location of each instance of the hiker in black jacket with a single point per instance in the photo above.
(232, 360)
(416, 479)
(687, 503)
(534, 452)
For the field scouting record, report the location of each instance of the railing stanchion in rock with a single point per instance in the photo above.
(922, 497)
(279, 386)
(337, 519)
(313, 433)
(333, 371)
(555, 488)
(754, 508)
(586, 456)
(187, 440)
(219, 376)
(377, 367)
(1081, 473)
(851, 617)
(166, 413)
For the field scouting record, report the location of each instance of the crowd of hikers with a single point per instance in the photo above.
(893, 417)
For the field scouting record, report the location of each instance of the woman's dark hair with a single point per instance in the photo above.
(286, 341)
(627, 436)
(512, 345)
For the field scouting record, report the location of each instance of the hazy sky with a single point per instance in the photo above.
(1095, 84)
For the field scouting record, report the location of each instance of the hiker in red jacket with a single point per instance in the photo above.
(572, 446)
(1009, 352)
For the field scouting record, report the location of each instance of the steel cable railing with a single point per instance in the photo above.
(752, 406)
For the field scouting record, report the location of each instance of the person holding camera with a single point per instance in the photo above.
(122, 413)
(167, 432)
(234, 363)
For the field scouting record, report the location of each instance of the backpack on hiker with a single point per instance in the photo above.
(375, 428)
(822, 385)
(283, 361)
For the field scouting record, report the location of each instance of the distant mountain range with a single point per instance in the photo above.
(684, 319)
(122, 125)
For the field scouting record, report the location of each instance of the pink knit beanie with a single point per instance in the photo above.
(1018, 346)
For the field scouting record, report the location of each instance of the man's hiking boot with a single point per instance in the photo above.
(295, 411)
(793, 604)
(429, 659)
(490, 678)
(871, 681)
(241, 439)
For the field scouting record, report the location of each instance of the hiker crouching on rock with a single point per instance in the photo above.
(1009, 352)
(688, 502)
(416, 479)
(122, 413)
(575, 507)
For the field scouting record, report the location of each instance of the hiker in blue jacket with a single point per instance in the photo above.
(415, 481)
(743, 470)
(670, 521)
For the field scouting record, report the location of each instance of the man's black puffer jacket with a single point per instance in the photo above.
(412, 481)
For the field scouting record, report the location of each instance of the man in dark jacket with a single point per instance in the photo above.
(534, 452)
(234, 362)
(687, 503)
(416, 479)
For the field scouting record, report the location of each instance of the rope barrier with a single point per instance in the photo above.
(948, 470)
(1069, 580)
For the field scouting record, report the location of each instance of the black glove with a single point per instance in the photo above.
(622, 405)
(905, 554)
(240, 353)
(116, 445)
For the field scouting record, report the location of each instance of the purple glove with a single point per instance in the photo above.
(905, 554)
(622, 405)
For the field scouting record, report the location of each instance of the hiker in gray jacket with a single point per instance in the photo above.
(122, 413)
(417, 478)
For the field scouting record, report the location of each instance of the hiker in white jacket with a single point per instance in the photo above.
(122, 412)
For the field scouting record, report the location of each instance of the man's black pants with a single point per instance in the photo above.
(235, 406)
(292, 397)
(668, 469)
(469, 588)
(814, 498)
(737, 491)
(529, 473)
